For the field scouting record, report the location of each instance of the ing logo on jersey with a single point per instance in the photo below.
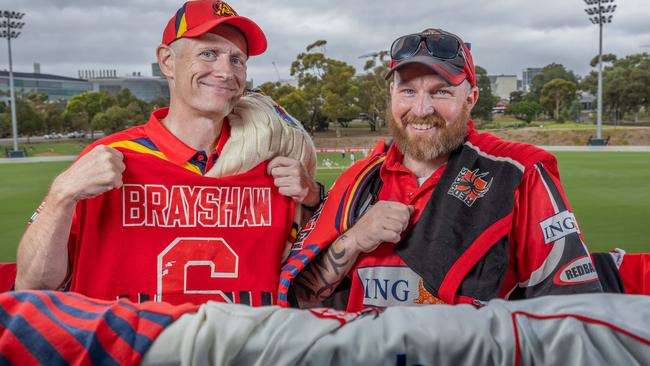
(393, 286)
(469, 186)
(222, 9)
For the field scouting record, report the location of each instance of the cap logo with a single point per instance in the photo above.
(222, 9)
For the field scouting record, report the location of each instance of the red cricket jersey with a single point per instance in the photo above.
(171, 234)
(542, 250)
(381, 278)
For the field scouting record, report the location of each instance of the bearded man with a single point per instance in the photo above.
(444, 214)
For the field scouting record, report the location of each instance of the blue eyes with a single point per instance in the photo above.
(436, 93)
(210, 55)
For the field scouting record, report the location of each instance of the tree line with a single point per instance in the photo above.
(89, 111)
(554, 92)
(329, 91)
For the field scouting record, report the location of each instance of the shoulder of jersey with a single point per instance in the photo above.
(525, 154)
(126, 135)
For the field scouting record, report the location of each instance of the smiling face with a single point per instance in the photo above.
(427, 116)
(206, 74)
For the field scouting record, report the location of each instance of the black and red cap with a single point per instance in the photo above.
(452, 68)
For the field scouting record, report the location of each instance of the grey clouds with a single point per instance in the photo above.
(506, 35)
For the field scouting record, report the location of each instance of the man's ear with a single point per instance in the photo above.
(391, 86)
(472, 97)
(166, 58)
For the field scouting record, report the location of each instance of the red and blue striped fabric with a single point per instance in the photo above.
(61, 328)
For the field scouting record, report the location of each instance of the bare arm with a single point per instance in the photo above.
(319, 280)
(384, 222)
(42, 258)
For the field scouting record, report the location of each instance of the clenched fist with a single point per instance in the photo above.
(293, 181)
(383, 222)
(97, 172)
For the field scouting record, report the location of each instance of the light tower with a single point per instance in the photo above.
(600, 12)
(9, 25)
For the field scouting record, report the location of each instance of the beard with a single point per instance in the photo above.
(447, 138)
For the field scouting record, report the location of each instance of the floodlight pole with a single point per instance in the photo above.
(600, 15)
(14, 124)
(9, 33)
(599, 120)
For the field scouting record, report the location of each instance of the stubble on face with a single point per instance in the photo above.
(448, 136)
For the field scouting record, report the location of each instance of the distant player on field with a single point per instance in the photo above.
(189, 207)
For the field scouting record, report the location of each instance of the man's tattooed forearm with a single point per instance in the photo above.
(313, 280)
(335, 258)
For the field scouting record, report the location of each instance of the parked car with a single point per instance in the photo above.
(76, 135)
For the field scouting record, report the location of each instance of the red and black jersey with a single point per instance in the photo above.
(59, 328)
(492, 222)
(171, 234)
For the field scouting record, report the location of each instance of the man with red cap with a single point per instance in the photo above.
(186, 208)
(444, 214)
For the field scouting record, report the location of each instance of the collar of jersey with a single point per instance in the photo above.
(394, 159)
(171, 146)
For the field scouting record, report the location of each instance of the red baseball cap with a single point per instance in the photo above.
(198, 17)
(453, 70)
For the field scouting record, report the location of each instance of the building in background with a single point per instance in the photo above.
(503, 85)
(62, 88)
(587, 107)
(155, 70)
(528, 74)
(587, 100)
(145, 88)
(57, 87)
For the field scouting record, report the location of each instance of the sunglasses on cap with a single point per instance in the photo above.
(439, 45)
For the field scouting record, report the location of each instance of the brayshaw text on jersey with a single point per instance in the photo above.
(191, 206)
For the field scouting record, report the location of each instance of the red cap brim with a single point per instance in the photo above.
(450, 73)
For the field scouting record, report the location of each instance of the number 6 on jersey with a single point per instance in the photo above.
(192, 269)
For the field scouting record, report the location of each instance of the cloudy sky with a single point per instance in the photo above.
(506, 35)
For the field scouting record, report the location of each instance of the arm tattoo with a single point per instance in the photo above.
(313, 282)
(334, 257)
